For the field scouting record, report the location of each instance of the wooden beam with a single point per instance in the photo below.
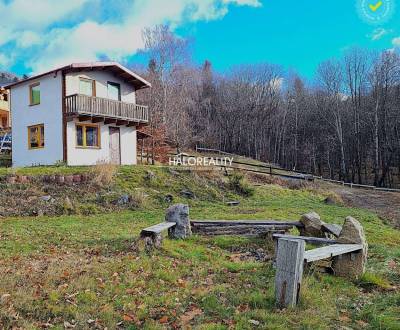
(97, 119)
(108, 121)
(311, 240)
(132, 124)
(122, 122)
(289, 272)
(84, 118)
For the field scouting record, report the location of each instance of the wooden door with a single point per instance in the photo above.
(115, 147)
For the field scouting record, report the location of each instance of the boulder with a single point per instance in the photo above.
(351, 265)
(188, 194)
(312, 225)
(179, 213)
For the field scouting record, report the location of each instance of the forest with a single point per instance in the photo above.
(344, 123)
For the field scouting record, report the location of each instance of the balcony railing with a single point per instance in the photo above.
(78, 104)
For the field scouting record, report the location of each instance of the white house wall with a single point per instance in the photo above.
(92, 156)
(48, 112)
(101, 78)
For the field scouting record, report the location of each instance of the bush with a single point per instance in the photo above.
(103, 173)
(237, 183)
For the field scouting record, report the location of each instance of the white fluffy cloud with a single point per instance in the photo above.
(378, 33)
(62, 32)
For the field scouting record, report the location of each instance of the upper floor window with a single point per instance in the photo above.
(34, 94)
(87, 87)
(36, 136)
(114, 91)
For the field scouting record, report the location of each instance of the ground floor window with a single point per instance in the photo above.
(36, 136)
(87, 135)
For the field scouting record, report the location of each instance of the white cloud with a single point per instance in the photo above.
(4, 60)
(396, 42)
(378, 34)
(36, 28)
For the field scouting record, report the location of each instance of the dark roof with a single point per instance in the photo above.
(119, 70)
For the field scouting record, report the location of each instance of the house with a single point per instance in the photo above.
(4, 109)
(79, 114)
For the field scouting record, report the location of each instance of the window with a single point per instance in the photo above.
(36, 136)
(114, 91)
(87, 136)
(34, 94)
(87, 87)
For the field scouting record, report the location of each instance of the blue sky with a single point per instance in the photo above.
(296, 34)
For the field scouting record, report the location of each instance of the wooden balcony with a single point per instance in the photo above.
(102, 109)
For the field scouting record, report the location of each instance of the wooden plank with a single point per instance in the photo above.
(311, 240)
(332, 229)
(330, 251)
(289, 271)
(245, 222)
(156, 229)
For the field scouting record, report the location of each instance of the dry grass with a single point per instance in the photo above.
(103, 173)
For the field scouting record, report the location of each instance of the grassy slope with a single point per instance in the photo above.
(67, 268)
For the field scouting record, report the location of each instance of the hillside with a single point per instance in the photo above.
(78, 263)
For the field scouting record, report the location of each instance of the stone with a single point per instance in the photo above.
(77, 178)
(46, 198)
(351, 265)
(254, 322)
(23, 179)
(69, 179)
(179, 213)
(312, 225)
(188, 194)
(60, 179)
(124, 199)
(329, 201)
(11, 179)
(150, 175)
(169, 198)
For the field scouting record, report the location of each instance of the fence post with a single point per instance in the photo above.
(289, 271)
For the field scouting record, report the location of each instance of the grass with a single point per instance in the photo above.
(89, 271)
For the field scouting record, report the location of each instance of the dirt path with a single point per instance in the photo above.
(385, 204)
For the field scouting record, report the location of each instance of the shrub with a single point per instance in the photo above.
(103, 173)
(237, 183)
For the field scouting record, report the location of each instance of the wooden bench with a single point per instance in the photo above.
(152, 234)
(290, 259)
(330, 251)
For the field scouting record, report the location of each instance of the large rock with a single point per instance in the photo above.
(312, 225)
(351, 265)
(179, 213)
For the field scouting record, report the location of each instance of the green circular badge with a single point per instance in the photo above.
(375, 11)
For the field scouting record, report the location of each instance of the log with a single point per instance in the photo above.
(289, 272)
(245, 222)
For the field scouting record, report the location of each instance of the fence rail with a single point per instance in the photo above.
(290, 174)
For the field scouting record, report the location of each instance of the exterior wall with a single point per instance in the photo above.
(91, 156)
(101, 78)
(48, 112)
